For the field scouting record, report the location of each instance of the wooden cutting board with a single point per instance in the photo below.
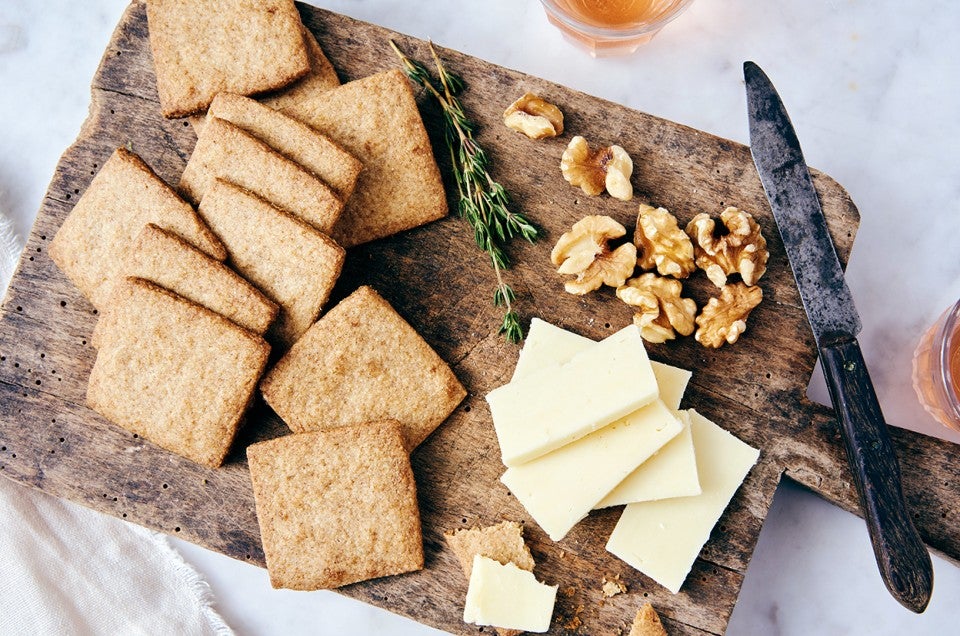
(440, 282)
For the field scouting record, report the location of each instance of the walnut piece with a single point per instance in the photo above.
(594, 171)
(742, 250)
(585, 251)
(662, 312)
(723, 319)
(534, 117)
(661, 244)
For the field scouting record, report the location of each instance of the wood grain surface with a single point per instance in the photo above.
(437, 279)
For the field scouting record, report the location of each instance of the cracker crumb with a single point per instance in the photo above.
(612, 587)
(574, 622)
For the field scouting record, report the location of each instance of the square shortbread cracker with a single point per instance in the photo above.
(293, 264)
(376, 120)
(362, 361)
(168, 261)
(177, 374)
(225, 151)
(291, 138)
(336, 506)
(204, 47)
(91, 245)
(322, 77)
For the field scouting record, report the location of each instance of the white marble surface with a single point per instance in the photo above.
(873, 89)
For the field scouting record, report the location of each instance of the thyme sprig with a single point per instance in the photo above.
(483, 202)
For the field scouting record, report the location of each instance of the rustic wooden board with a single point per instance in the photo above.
(437, 279)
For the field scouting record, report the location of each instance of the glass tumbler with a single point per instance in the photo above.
(936, 369)
(611, 27)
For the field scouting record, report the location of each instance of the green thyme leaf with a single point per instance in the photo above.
(482, 202)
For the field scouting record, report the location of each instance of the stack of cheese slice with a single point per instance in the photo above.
(585, 425)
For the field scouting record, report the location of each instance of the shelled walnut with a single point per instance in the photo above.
(594, 171)
(724, 319)
(742, 250)
(585, 251)
(662, 313)
(661, 244)
(534, 117)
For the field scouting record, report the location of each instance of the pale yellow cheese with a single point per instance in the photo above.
(506, 596)
(672, 382)
(560, 488)
(671, 472)
(663, 538)
(561, 403)
(547, 345)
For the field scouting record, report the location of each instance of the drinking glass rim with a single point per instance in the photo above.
(946, 335)
(613, 33)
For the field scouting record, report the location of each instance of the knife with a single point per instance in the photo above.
(901, 555)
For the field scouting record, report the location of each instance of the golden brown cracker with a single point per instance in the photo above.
(322, 77)
(225, 151)
(376, 120)
(204, 47)
(647, 623)
(173, 372)
(502, 542)
(91, 245)
(291, 138)
(362, 361)
(168, 261)
(336, 506)
(292, 263)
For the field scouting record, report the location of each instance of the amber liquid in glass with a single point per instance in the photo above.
(615, 13)
(611, 27)
(955, 365)
(936, 373)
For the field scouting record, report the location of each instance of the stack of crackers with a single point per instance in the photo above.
(196, 287)
(350, 513)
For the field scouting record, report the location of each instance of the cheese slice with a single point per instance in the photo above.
(561, 403)
(547, 345)
(560, 488)
(671, 472)
(508, 597)
(663, 538)
(672, 382)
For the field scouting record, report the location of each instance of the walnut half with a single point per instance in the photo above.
(661, 244)
(534, 117)
(585, 251)
(723, 319)
(741, 250)
(594, 171)
(662, 313)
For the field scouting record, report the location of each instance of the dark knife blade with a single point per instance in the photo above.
(901, 556)
(786, 180)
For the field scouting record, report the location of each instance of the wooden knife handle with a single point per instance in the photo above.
(901, 555)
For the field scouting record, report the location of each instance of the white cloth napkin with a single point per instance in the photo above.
(65, 569)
